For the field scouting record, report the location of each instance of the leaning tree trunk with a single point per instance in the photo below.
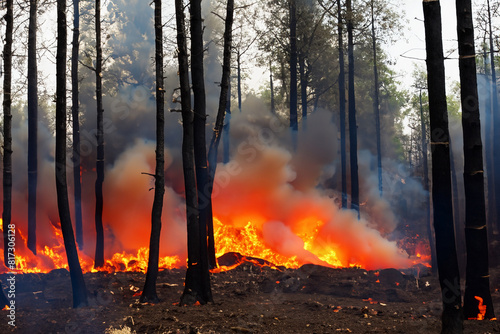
(446, 253)
(99, 247)
(32, 126)
(7, 133)
(376, 103)
(293, 73)
(77, 191)
(75, 271)
(197, 286)
(219, 123)
(149, 291)
(343, 155)
(353, 136)
(477, 274)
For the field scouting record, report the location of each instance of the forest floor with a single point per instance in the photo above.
(247, 299)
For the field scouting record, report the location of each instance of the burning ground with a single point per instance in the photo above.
(251, 298)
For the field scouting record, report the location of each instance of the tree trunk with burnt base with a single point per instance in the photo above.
(149, 291)
(446, 253)
(477, 273)
(99, 247)
(75, 111)
(75, 271)
(353, 128)
(343, 154)
(32, 126)
(219, 123)
(7, 134)
(197, 285)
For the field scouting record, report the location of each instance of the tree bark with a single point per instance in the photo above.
(7, 131)
(449, 277)
(227, 125)
(238, 61)
(343, 154)
(76, 159)
(353, 131)
(477, 273)
(75, 271)
(293, 73)
(149, 291)
(219, 123)
(32, 126)
(376, 105)
(99, 247)
(197, 287)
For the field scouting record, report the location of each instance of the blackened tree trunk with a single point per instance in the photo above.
(343, 154)
(32, 126)
(188, 156)
(376, 104)
(227, 125)
(219, 123)
(197, 287)
(293, 73)
(430, 235)
(477, 273)
(446, 253)
(77, 191)
(353, 136)
(7, 130)
(303, 89)
(99, 247)
(496, 123)
(149, 291)
(75, 271)
(273, 108)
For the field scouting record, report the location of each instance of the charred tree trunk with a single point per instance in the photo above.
(303, 89)
(376, 103)
(477, 273)
(430, 235)
(75, 271)
(293, 73)
(197, 287)
(353, 136)
(32, 126)
(188, 154)
(76, 124)
(99, 247)
(273, 108)
(149, 291)
(343, 154)
(449, 276)
(219, 123)
(7, 134)
(227, 125)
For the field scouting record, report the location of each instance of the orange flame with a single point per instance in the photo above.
(482, 309)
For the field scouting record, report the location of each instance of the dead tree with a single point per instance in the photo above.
(32, 126)
(7, 128)
(446, 253)
(149, 291)
(75, 271)
(476, 274)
